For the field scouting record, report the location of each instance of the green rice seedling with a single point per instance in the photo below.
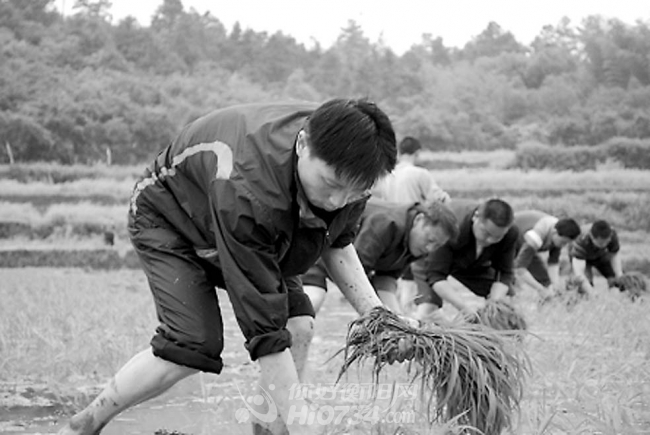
(633, 283)
(574, 292)
(469, 373)
(574, 284)
(501, 315)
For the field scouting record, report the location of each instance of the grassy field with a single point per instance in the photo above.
(65, 331)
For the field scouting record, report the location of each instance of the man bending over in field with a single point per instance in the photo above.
(541, 232)
(597, 246)
(247, 198)
(391, 237)
(407, 184)
(480, 260)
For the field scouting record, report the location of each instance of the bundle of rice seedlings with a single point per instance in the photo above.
(633, 283)
(469, 373)
(574, 291)
(500, 315)
(573, 284)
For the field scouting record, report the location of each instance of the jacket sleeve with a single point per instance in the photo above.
(554, 255)
(245, 236)
(525, 256)
(578, 248)
(431, 191)
(375, 237)
(352, 225)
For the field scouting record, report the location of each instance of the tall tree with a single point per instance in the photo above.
(167, 14)
(94, 8)
(356, 55)
(493, 41)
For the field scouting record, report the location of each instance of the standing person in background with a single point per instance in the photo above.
(246, 199)
(597, 246)
(407, 184)
(541, 232)
(480, 261)
(390, 238)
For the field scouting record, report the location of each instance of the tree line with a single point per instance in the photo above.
(82, 89)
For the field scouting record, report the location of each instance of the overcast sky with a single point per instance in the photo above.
(400, 23)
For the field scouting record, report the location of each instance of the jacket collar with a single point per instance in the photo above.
(307, 216)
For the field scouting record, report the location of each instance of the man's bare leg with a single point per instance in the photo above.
(302, 332)
(278, 375)
(316, 296)
(145, 376)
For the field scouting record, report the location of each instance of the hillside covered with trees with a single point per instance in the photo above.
(82, 88)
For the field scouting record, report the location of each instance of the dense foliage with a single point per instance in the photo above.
(83, 88)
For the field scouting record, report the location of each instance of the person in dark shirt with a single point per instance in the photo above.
(246, 199)
(597, 247)
(480, 261)
(407, 184)
(391, 237)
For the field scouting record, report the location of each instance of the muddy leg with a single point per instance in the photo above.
(145, 376)
(278, 380)
(316, 296)
(302, 332)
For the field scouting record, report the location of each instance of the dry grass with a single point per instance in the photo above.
(57, 173)
(76, 189)
(590, 367)
(488, 159)
(61, 324)
(65, 214)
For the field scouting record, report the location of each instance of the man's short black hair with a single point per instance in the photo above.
(355, 137)
(409, 145)
(601, 229)
(567, 227)
(498, 211)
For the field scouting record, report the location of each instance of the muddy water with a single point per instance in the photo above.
(202, 404)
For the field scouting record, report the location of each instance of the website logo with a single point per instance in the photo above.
(354, 404)
(243, 415)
